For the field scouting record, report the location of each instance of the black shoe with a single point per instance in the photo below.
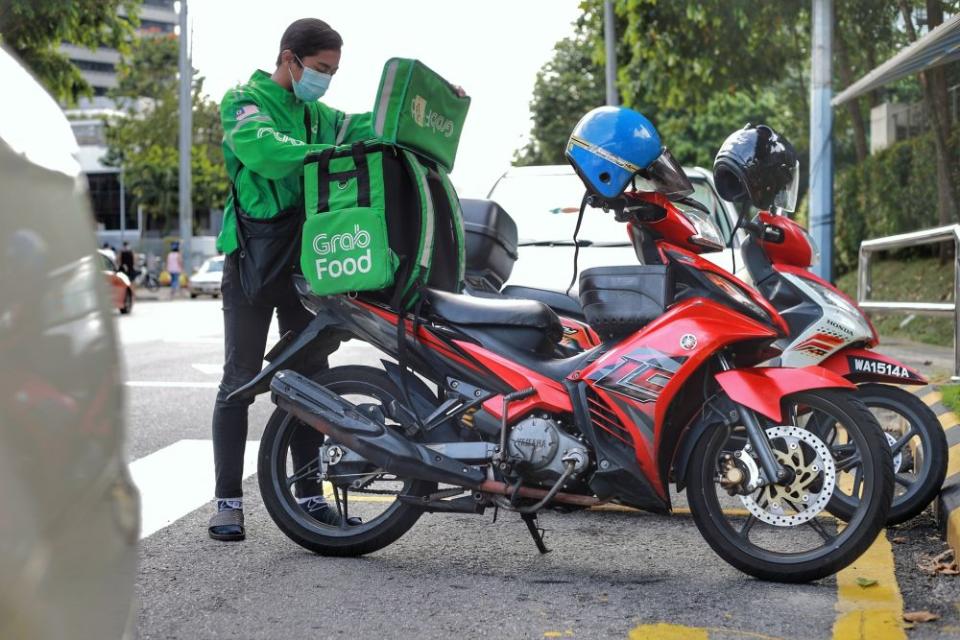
(320, 511)
(226, 524)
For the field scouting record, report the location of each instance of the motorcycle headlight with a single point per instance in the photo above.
(737, 294)
(832, 298)
(707, 234)
(814, 249)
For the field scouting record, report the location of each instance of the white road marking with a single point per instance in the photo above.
(217, 341)
(170, 384)
(211, 369)
(178, 479)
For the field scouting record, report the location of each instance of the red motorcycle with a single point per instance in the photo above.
(826, 328)
(672, 394)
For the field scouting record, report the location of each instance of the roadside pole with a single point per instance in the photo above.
(186, 135)
(610, 41)
(821, 148)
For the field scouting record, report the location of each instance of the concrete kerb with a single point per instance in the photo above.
(947, 506)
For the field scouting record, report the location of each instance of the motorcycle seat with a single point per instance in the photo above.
(556, 300)
(523, 323)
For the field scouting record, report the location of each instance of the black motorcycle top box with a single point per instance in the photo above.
(617, 301)
(490, 242)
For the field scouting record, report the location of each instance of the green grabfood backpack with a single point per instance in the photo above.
(380, 219)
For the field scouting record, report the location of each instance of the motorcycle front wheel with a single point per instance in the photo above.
(784, 533)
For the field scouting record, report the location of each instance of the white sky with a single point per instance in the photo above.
(492, 48)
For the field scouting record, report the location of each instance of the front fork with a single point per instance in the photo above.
(772, 469)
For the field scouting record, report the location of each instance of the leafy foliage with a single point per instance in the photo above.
(145, 140)
(891, 192)
(568, 86)
(700, 69)
(33, 30)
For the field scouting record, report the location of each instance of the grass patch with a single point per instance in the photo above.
(951, 397)
(916, 280)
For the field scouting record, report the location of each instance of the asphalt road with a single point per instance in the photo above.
(609, 575)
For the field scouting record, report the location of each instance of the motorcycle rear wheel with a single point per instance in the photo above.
(839, 545)
(277, 490)
(921, 442)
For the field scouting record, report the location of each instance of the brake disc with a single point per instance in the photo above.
(815, 476)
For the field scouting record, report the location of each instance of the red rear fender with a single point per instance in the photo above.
(763, 388)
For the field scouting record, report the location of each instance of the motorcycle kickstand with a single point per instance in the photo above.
(535, 531)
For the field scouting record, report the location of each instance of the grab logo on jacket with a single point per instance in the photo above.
(432, 119)
(355, 244)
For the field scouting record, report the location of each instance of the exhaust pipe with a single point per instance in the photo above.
(331, 415)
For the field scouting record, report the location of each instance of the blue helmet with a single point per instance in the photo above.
(609, 145)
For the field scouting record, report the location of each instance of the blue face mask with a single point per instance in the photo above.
(312, 84)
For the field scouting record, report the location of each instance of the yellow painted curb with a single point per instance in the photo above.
(953, 530)
(932, 398)
(874, 612)
(948, 419)
(953, 460)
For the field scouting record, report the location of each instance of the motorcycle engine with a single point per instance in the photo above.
(537, 446)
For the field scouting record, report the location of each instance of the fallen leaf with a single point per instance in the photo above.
(866, 582)
(920, 616)
(898, 540)
(946, 556)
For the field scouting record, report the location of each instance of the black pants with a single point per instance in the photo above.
(245, 340)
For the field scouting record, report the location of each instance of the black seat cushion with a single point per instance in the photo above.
(468, 310)
(556, 300)
(525, 324)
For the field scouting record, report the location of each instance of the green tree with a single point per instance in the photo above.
(34, 29)
(567, 86)
(145, 140)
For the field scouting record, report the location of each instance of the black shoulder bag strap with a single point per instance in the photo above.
(307, 123)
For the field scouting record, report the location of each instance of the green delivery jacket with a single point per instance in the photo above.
(264, 144)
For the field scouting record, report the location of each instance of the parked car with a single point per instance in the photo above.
(118, 284)
(70, 520)
(207, 279)
(545, 201)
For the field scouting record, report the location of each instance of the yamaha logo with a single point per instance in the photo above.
(688, 341)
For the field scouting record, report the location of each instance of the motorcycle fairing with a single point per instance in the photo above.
(638, 380)
(548, 395)
(809, 275)
(763, 388)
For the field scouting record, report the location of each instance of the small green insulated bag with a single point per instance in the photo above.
(418, 110)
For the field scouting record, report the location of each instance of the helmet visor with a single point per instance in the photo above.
(786, 198)
(666, 176)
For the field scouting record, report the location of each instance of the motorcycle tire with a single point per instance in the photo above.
(922, 490)
(278, 498)
(796, 566)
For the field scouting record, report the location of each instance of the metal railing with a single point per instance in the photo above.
(927, 236)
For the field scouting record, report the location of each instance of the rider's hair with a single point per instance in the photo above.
(307, 36)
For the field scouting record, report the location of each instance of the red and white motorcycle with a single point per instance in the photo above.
(828, 329)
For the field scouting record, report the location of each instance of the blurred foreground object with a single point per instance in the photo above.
(69, 524)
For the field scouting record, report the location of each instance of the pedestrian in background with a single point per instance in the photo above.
(107, 249)
(174, 268)
(126, 261)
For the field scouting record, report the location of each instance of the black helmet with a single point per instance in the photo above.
(759, 166)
